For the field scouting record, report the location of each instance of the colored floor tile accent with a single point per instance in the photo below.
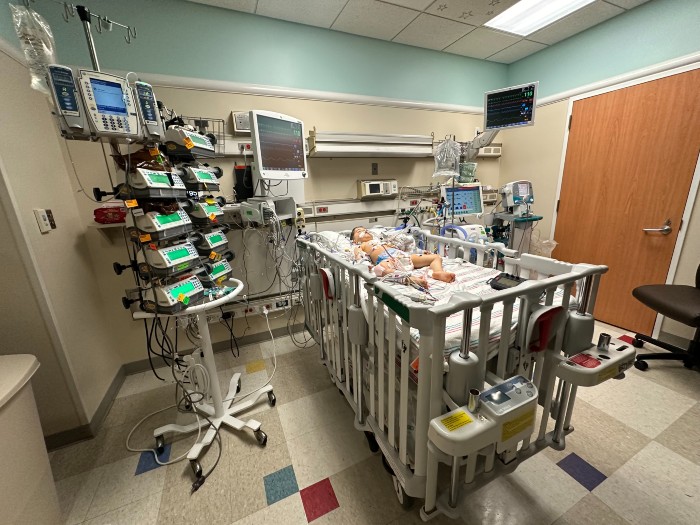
(318, 499)
(280, 484)
(148, 462)
(255, 366)
(583, 472)
(627, 339)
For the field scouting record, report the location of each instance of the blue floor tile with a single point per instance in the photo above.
(280, 484)
(148, 462)
(582, 471)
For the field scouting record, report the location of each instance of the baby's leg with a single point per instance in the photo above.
(439, 272)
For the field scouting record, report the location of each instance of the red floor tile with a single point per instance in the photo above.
(318, 499)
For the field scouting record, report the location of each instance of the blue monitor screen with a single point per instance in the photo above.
(466, 200)
(108, 97)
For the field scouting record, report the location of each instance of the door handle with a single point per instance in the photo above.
(665, 230)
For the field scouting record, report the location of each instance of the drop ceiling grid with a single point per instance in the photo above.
(452, 26)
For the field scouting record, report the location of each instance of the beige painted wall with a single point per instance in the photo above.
(37, 174)
(23, 330)
(535, 154)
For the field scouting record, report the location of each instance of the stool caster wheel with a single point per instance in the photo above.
(196, 468)
(160, 445)
(637, 343)
(405, 500)
(271, 399)
(688, 363)
(641, 365)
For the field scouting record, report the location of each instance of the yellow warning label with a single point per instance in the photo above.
(154, 152)
(210, 200)
(131, 203)
(188, 143)
(516, 426)
(607, 374)
(456, 420)
(145, 237)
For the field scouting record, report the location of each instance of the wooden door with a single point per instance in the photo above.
(630, 159)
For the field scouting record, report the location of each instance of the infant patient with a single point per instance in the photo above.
(388, 259)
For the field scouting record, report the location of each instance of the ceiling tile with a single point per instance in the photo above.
(373, 19)
(576, 22)
(319, 13)
(419, 5)
(239, 5)
(482, 43)
(474, 12)
(432, 32)
(627, 4)
(516, 52)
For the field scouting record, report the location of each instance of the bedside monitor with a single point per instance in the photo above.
(464, 200)
(279, 152)
(510, 107)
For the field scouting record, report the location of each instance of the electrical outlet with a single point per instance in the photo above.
(375, 168)
(322, 209)
(245, 147)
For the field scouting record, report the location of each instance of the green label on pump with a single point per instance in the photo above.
(202, 141)
(211, 208)
(168, 219)
(174, 255)
(184, 289)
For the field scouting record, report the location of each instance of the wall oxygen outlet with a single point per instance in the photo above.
(44, 219)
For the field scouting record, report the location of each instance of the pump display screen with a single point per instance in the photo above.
(219, 268)
(167, 219)
(466, 201)
(281, 144)
(215, 239)
(510, 107)
(159, 179)
(147, 102)
(184, 289)
(177, 254)
(108, 97)
(65, 89)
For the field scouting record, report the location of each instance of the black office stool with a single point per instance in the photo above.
(680, 303)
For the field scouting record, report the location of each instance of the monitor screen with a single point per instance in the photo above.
(466, 199)
(278, 146)
(510, 107)
(109, 97)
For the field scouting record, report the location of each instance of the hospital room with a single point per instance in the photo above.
(375, 262)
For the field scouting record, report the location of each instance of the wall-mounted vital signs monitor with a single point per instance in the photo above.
(278, 146)
(464, 200)
(510, 107)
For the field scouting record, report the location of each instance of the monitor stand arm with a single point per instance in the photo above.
(480, 141)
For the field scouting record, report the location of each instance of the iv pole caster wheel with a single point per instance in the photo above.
(238, 386)
(371, 442)
(196, 468)
(641, 365)
(160, 445)
(271, 399)
(637, 343)
(261, 437)
(405, 500)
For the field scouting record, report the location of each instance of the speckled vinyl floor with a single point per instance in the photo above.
(634, 457)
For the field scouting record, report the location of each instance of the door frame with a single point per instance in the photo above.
(694, 185)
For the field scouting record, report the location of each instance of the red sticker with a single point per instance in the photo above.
(585, 360)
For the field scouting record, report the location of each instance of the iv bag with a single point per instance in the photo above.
(36, 39)
(447, 159)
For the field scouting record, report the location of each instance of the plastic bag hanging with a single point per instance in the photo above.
(447, 155)
(36, 39)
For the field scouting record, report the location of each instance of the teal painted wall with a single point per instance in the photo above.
(220, 44)
(654, 32)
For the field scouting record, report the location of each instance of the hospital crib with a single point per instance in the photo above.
(386, 351)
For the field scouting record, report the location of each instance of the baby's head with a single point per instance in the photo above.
(360, 234)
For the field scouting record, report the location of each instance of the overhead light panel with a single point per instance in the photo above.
(527, 16)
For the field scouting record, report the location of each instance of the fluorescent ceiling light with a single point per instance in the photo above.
(527, 16)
